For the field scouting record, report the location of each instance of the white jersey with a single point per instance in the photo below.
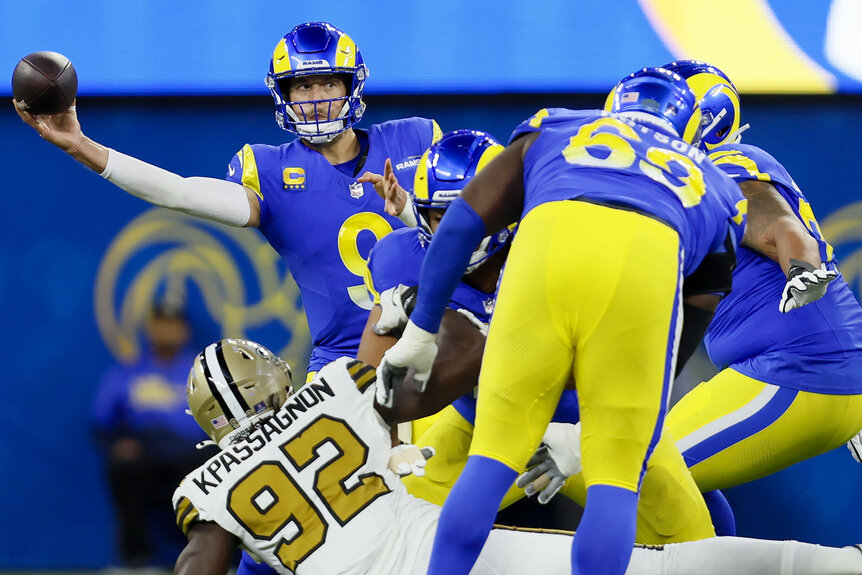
(309, 490)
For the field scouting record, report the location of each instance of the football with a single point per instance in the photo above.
(44, 83)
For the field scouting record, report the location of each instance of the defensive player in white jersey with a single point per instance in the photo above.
(303, 482)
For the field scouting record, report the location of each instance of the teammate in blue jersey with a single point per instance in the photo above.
(308, 197)
(393, 272)
(790, 380)
(790, 385)
(614, 210)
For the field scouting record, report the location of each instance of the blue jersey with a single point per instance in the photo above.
(323, 223)
(603, 158)
(817, 347)
(397, 259)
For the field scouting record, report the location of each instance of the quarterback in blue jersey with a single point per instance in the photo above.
(307, 197)
(613, 210)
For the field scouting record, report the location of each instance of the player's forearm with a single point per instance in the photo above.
(793, 242)
(210, 550)
(92, 154)
(773, 229)
(210, 198)
(455, 371)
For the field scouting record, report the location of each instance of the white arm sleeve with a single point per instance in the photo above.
(407, 215)
(210, 198)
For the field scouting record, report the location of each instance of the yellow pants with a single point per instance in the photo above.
(670, 507)
(734, 429)
(593, 292)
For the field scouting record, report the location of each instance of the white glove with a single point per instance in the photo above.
(417, 348)
(396, 304)
(557, 459)
(855, 447)
(805, 284)
(471, 317)
(407, 459)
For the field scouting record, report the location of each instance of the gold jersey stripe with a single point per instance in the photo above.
(534, 530)
(744, 39)
(250, 177)
(353, 366)
(363, 374)
(187, 515)
(366, 376)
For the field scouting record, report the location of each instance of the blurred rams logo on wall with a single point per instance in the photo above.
(843, 229)
(230, 275)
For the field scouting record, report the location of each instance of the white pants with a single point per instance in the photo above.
(543, 553)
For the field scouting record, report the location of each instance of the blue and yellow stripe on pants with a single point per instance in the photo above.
(734, 429)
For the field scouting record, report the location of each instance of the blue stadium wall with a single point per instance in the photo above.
(59, 222)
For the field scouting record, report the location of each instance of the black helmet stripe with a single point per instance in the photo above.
(223, 392)
(213, 389)
(228, 376)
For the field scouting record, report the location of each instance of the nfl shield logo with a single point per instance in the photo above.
(489, 305)
(356, 190)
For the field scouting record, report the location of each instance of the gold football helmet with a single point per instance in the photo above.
(232, 383)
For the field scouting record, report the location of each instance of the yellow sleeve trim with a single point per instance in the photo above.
(741, 210)
(437, 133)
(250, 177)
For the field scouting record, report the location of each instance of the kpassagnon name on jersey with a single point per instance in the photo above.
(262, 433)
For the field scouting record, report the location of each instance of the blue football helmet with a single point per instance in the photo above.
(719, 101)
(660, 98)
(311, 49)
(444, 170)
